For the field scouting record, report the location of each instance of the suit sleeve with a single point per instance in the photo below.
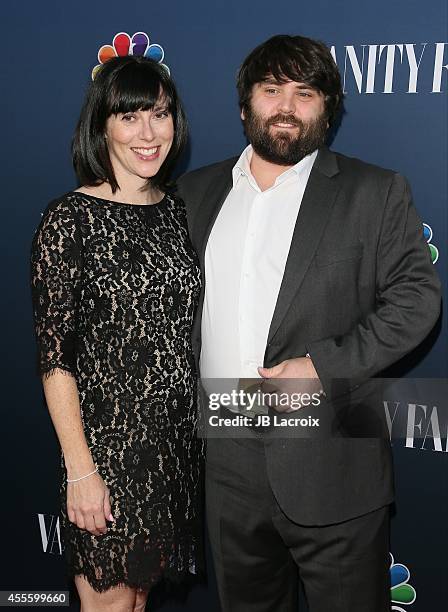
(187, 195)
(407, 302)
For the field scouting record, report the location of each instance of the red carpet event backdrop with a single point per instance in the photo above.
(393, 57)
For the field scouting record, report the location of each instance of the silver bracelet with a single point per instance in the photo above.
(82, 477)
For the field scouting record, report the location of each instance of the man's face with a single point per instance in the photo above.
(285, 121)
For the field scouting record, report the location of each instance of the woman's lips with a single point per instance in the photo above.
(146, 153)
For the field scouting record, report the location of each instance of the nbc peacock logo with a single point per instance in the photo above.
(124, 44)
(427, 232)
(400, 591)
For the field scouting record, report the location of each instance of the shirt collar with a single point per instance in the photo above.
(242, 168)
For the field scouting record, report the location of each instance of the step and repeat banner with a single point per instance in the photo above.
(393, 57)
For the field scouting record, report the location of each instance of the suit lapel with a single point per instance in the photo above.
(209, 209)
(317, 202)
(314, 212)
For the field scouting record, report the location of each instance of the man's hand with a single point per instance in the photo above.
(300, 367)
(292, 376)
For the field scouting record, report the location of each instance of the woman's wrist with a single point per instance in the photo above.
(84, 476)
(77, 467)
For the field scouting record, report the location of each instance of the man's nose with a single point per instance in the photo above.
(287, 103)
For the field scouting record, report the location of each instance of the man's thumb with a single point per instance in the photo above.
(267, 372)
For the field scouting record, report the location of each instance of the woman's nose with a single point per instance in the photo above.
(146, 130)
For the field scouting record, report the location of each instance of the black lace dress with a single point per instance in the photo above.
(115, 288)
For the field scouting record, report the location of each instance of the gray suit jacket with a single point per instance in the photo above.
(359, 292)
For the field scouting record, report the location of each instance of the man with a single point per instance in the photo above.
(315, 268)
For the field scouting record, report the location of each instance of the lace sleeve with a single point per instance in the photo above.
(56, 263)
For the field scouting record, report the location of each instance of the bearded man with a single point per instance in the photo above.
(315, 270)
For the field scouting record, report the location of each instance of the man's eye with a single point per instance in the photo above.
(128, 117)
(271, 90)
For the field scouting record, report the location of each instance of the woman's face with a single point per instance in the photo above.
(138, 142)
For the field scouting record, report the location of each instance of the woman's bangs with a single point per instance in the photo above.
(135, 88)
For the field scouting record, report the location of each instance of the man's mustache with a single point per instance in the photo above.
(285, 119)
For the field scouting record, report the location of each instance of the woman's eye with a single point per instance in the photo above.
(271, 90)
(127, 117)
(162, 114)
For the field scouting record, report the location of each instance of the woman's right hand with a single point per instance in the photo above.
(88, 504)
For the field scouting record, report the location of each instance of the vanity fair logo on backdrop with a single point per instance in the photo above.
(420, 426)
(393, 68)
(50, 533)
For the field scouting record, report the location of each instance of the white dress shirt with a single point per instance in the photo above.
(245, 260)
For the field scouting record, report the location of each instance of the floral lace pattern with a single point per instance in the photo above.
(115, 288)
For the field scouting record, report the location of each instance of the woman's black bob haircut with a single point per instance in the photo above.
(123, 85)
(294, 58)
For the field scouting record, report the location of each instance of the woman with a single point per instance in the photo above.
(115, 286)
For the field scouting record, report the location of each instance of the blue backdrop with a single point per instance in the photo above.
(393, 55)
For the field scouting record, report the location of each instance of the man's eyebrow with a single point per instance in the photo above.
(274, 81)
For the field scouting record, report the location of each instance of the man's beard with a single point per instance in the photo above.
(283, 148)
